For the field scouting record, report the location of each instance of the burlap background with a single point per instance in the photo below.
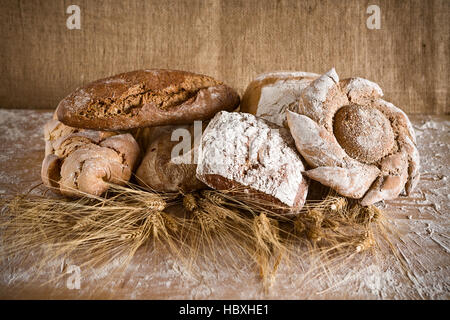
(42, 60)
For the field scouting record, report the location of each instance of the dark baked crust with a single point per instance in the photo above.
(264, 200)
(146, 98)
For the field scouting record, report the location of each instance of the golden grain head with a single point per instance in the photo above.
(213, 209)
(299, 225)
(213, 197)
(374, 213)
(170, 222)
(265, 228)
(159, 205)
(314, 233)
(366, 215)
(83, 222)
(204, 219)
(316, 215)
(366, 242)
(154, 224)
(153, 202)
(337, 203)
(262, 223)
(131, 235)
(189, 202)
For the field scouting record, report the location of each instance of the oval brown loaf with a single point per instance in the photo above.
(146, 98)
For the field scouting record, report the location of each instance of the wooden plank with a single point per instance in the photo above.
(42, 60)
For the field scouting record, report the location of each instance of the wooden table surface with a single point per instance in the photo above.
(422, 222)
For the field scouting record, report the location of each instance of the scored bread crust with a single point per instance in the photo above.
(143, 98)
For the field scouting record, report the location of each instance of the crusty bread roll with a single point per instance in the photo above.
(269, 95)
(166, 172)
(146, 98)
(80, 161)
(258, 157)
(355, 142)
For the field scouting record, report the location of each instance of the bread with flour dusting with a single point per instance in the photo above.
(355, 142)
(240, 151)
(270, 94)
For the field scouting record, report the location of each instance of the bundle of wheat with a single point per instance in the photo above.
(220, 227)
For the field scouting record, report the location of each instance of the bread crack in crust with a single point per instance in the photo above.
(145, 98)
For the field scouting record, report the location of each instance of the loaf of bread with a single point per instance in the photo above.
(269, 95)
(164, 168)
(146, 98)
(354, 141)
(238, 151)
(81, 162)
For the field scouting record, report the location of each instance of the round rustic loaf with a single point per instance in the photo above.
(146, 98)
(364, 133)
(166, 172)
(254, 157)
(355, 142)
(81, 162)
(269, 95)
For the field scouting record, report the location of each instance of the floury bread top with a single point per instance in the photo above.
(240, 151)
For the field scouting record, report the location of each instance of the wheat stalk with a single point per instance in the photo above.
(221, 227)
